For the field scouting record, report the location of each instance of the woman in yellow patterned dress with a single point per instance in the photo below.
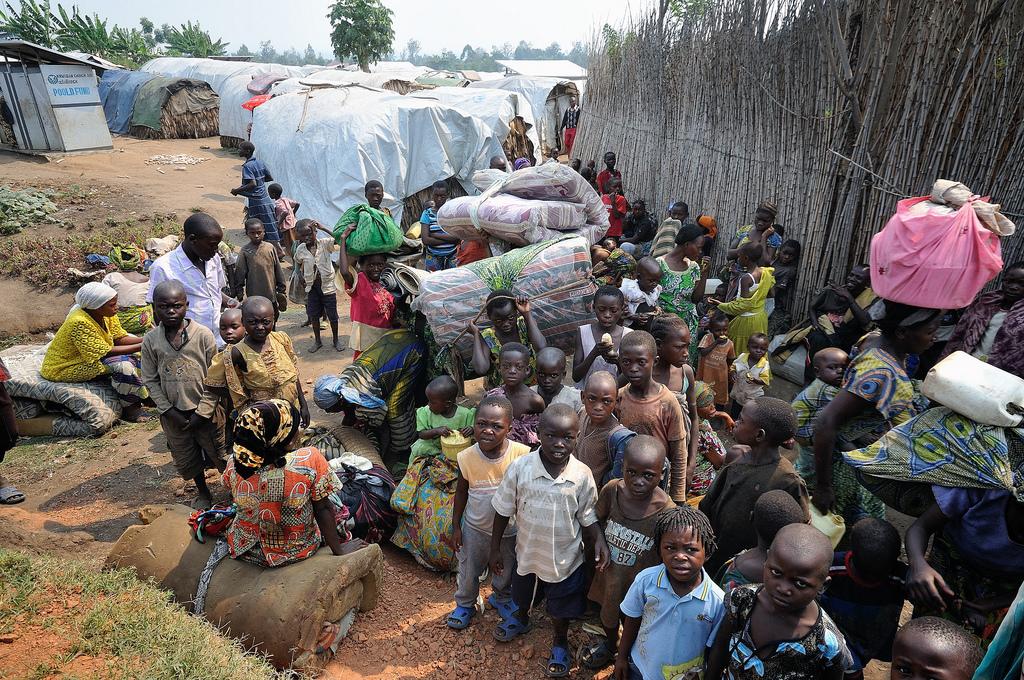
(91, 343)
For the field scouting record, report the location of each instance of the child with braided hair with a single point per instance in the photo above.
(673, 610)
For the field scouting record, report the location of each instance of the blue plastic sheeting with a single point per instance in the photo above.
(117, 92)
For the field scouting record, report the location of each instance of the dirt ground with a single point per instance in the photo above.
(82, 494)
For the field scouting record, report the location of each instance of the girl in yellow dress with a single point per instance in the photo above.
(747, 309)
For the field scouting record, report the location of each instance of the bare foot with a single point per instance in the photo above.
(317, 346)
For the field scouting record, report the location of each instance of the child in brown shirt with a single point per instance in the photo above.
(648, 407)
(716, 356)
(597, 421)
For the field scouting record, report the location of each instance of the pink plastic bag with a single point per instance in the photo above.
(931, 257)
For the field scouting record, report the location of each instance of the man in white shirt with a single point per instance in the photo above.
(196, 264)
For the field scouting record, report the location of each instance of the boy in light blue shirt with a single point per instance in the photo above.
(673, 610)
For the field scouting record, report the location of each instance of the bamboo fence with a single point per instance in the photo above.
(833, 109)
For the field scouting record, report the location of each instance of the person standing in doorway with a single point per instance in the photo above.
(570, 119)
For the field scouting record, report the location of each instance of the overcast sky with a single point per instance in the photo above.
(436, 25)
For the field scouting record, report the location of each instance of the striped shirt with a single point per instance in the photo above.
(550, 515)
(429, 220)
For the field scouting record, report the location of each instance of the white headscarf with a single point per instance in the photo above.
(93, 295)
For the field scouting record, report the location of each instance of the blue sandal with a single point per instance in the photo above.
(558, 662)
(460, 616)
(505, 607)
(511, 628)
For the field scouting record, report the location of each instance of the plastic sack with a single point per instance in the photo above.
(929, 257)
(297, 286)
(977, 390)
(375, 231)
(518, 221)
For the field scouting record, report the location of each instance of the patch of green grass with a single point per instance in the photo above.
(134, 624)
(8, 341)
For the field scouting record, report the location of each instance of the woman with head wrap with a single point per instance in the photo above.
(876, 394)
(281, 497)
(521, 163)
(134, 313)
(683, 277)
(91, 343)
(379, 393)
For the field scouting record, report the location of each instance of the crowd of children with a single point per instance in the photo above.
(615, 489)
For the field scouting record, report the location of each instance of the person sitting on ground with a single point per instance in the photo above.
(764, 425)
(976, 562)
(511, 321)
(787, 269)
(9, 494)
(615, 268)
(648, 407)
(638, 229)
(258, 269)
(91, 343)
(642, 293)
(761, 231)
(865, 595)
(597, 344)
(175, 357)
(440, 245)
(772, 510)
(259, 205)
(527, 405)
(281, 497)
(372, 309)
(132, 285)
(665, 238)
(551, 496)
(313, 256)
(930, 647)
(481, 469)
(379, 393)
(605, 177)
(777, 629)
(440, 417)
(284, 211)
(751, 372)
(617, 205)
(261, 366)
(673, 611)
(627, 510)
(551, 367)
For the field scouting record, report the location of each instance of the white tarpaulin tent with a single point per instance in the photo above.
(396, 81)
(549, 98)
(323, 145)
(496, 108)
(234, 120)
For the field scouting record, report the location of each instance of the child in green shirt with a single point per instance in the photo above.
(440, 417)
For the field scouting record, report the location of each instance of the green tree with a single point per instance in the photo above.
(31, 21)
(243, 51)
(266, 52)
(361, 29)
(148, 32)
(412, 50)
(191, 40)
(310, 56)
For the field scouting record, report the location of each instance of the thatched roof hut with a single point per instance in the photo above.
(157, 107)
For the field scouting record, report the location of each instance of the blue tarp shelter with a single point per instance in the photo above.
(118, 89)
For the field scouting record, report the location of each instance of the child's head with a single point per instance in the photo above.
(721, 291)
(750, 255)
(876, 548)
(246, 149)
(757, 347)
(576, 164)
(275, 190)
(170, 303)
(765, 421)
(439, 193)
(231, 328)
(679, 211)
(600, 396)
(609, 243)
(501, 311)
(830, 365)
(638, 208)
(441, 394)
(672, 336)
(499, 162)
(609, 305)
(558, 429)
(796, 568)
(598, 254)
(609, 160)
(373, 265)
(492, 423)
(719, 325)
(930, 648)
(513, 364)
(648, 274)
(685, 540)
(642, 466)
(587, 173)
(550, 369)
(704, 395)
(789, 253)
(374, 193)
(773, 510)
(258, 317)
(637, 353)
(254, 230)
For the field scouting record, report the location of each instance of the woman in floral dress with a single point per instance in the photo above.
(683, 279)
